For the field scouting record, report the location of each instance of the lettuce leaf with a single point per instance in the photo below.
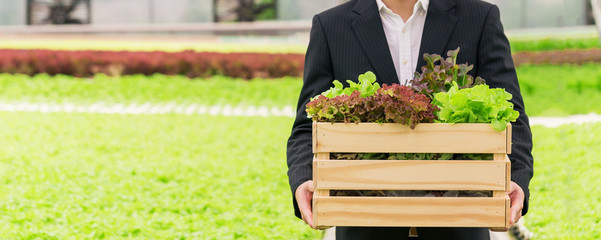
(479, 104)
(367, 86)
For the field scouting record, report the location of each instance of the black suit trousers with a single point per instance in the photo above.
(402, 233)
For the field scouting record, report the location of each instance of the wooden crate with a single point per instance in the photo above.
(491, 175)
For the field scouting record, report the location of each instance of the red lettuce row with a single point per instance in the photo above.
(187, 63)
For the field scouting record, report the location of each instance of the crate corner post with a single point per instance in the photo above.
(319, 192)
(508, 133)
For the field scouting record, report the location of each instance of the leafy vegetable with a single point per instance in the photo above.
(410, 193)
(420, 156)
(391, 156)
(410, 156)
(475, 156)
(479, 104)
(440, 78)
(367, 86)
(390, 104)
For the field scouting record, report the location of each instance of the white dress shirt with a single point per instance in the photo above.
(404, 38)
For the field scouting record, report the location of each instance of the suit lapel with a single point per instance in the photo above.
(439, 26)
(370, 34)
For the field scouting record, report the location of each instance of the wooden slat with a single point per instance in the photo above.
(425, 138)
(507, 189)
(320, 157)
(418, 212)
(410, 175)
(507, 212)
(319, 192)
(314, 129)
(507, 217)
(508, 173)
(503, 194)
(504, 159)
(509, 132)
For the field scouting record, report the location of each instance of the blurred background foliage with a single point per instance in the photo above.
(209, 170)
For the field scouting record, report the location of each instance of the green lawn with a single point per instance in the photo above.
(566, 191)
(88, 176)
(82, 176)
(561, 90)
(547, 90)
(554, 43)
(154, 89)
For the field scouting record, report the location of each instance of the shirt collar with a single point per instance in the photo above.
(420, 4)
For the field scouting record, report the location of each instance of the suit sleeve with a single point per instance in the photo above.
(318, 77)
(495, 65)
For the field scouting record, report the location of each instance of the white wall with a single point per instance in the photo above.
(541, 13)
(13, 12)
(303, 9)
(142, 11)
(184, 11)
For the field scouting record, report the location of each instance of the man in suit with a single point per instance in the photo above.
(389, 37)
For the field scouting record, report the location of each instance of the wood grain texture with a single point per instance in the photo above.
(509, 131)
(507, 217)
(508, 173)
(425, 138)
(319, 192)
(314, 136)
(507, 212)
(410, 175)
(410, 211)
(320, 157)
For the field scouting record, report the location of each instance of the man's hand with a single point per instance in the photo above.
(304, 197)
(516, 197)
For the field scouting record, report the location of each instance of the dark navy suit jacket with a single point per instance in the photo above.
(349, 40)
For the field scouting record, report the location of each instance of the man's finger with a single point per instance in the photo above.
(310, 205)
(512, 217)
(307, 218)
(517, 203)
(304, 195)
(516, 214)
(307, 213)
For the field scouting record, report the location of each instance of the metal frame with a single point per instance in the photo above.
(216, 3)
(30, 4)
(28, 14)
